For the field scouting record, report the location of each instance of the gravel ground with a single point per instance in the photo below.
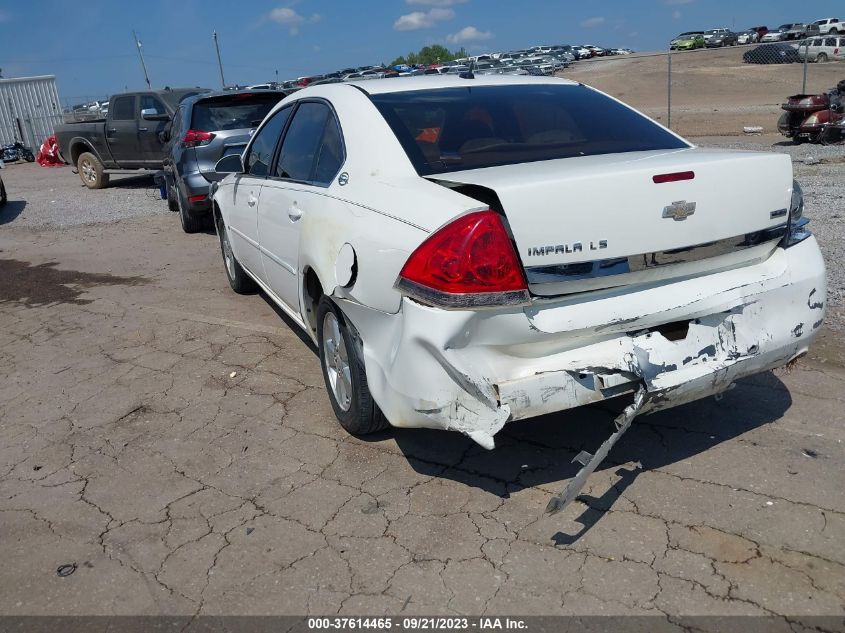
(55, 197)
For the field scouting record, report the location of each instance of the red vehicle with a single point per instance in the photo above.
(761, 31)
(816, 118)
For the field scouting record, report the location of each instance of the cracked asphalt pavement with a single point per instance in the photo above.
(174, 441)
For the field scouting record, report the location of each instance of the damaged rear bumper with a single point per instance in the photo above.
(473, 371)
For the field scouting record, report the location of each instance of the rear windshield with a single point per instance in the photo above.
(452, 129)
(175, 97)
(233, 112)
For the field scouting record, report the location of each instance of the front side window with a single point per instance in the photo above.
(264, 145)
(473, 127)
(302, 142)
(123, 108)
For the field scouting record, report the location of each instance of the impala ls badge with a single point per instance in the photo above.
(679, 210)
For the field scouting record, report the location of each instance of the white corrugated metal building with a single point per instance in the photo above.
(29, 108)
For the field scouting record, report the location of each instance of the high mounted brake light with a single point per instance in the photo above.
(674, 177)
(468, 263)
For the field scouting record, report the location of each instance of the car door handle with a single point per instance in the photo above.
(294, 213)
(143, 129)
(251, 200)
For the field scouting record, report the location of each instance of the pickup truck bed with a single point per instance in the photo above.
(128, 139)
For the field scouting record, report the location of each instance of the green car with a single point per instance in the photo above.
(687, 41)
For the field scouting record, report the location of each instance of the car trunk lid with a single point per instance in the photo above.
(600, 221)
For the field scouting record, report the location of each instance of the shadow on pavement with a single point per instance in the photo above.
(11, 210)
(539, 451)
(140, 181)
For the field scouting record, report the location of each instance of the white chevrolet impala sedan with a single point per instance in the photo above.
(471, 251)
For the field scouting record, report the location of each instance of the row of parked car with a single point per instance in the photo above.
(815, 49)
(791, 31)
(536, 60)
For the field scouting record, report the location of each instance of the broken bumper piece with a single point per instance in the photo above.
(473, 371)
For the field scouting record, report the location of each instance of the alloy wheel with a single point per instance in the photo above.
(337, 362)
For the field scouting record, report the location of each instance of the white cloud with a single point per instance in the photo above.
(422, 19)
(291, 19)
(676, 14)
(590, 23)
(435, 3)
(468, 34)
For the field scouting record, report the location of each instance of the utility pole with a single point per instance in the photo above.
(669, 92)
(141, 56)
(219, 61)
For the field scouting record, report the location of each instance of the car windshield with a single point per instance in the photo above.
(233, 112)
(473, 127)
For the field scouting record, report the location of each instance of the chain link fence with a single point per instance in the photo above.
(717, 91)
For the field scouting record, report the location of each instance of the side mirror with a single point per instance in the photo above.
(164, 135)
(231, 164)
(151, 114)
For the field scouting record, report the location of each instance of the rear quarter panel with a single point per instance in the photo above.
(384, 211)
(71, 136)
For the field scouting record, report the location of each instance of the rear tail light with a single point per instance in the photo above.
(468, 263)
(197, 138)
(198, 198)
(796, 230)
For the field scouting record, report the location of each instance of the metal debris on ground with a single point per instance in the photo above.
(591, 462)
(65, 570)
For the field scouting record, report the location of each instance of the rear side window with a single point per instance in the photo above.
(302, 142)
(151, 103)
(330, 155)
(264, 145)
(830, 41)
(234, 112)
(452, 129)
(122, 108)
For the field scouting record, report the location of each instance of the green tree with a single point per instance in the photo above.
(434, 54)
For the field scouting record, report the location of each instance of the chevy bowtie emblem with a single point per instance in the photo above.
(679, 210)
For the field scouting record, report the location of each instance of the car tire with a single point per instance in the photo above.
(91, 171)
(821, 58)
(3, 198)
(344, 374)
(190, 223)
(172, 203)
(238, 278)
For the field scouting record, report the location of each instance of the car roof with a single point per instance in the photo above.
(435, 82)
(194, 99)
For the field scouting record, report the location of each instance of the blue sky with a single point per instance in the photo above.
(88, 45)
